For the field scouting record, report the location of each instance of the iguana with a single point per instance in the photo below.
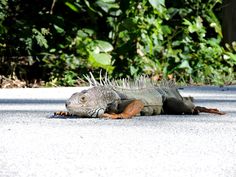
(125, 99)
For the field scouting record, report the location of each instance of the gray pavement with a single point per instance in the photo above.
(33, 145)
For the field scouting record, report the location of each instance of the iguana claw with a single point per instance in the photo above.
(208, 110)
(62, 113)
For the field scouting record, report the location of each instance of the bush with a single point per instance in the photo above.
(179, 39)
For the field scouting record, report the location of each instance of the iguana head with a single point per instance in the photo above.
(90, 103)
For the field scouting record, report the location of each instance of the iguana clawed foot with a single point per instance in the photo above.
(208, 110)
(131, 110)
(62, 113)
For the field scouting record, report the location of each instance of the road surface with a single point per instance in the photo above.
(34, 145)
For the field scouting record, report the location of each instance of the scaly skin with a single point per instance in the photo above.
(109, 100)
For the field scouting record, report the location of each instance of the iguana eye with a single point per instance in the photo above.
(83, 99)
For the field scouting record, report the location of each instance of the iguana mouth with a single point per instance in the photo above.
(83, 111)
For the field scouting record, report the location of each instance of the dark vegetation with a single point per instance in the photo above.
(59, 41)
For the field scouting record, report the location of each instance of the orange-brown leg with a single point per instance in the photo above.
(130, 110)
(208, 110)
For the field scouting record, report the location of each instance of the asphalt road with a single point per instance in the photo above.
(34, 145)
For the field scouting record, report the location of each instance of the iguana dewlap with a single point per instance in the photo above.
(127, 99)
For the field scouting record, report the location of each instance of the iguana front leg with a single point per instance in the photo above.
(208, 110)
(130, 110)
(62, 113)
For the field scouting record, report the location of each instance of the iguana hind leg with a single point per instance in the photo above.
(186, 106)
(176, 106)
(208, 110)
(130, 110)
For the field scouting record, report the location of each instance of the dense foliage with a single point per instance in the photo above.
(60, 40)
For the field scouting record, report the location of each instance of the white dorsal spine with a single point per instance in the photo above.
(142, 82)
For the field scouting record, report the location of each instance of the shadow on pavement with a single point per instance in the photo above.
(31, 101)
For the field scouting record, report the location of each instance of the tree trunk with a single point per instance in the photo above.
(229, 21)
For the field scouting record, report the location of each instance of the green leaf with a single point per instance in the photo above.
(199, 22)
(156, 3)
(85, 32)
(186, 22)
(133, 70)
(102, 60)
(230, 56)
(41, 40)
(72, 6)
(91, 8)
(185, 65)
(214, 22)
(103, 46)
(106, 5)
(52, 50)
(166, 30)
(59, 29)
(234, 45)
(128, 24)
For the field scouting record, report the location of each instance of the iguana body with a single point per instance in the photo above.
(126, 99)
